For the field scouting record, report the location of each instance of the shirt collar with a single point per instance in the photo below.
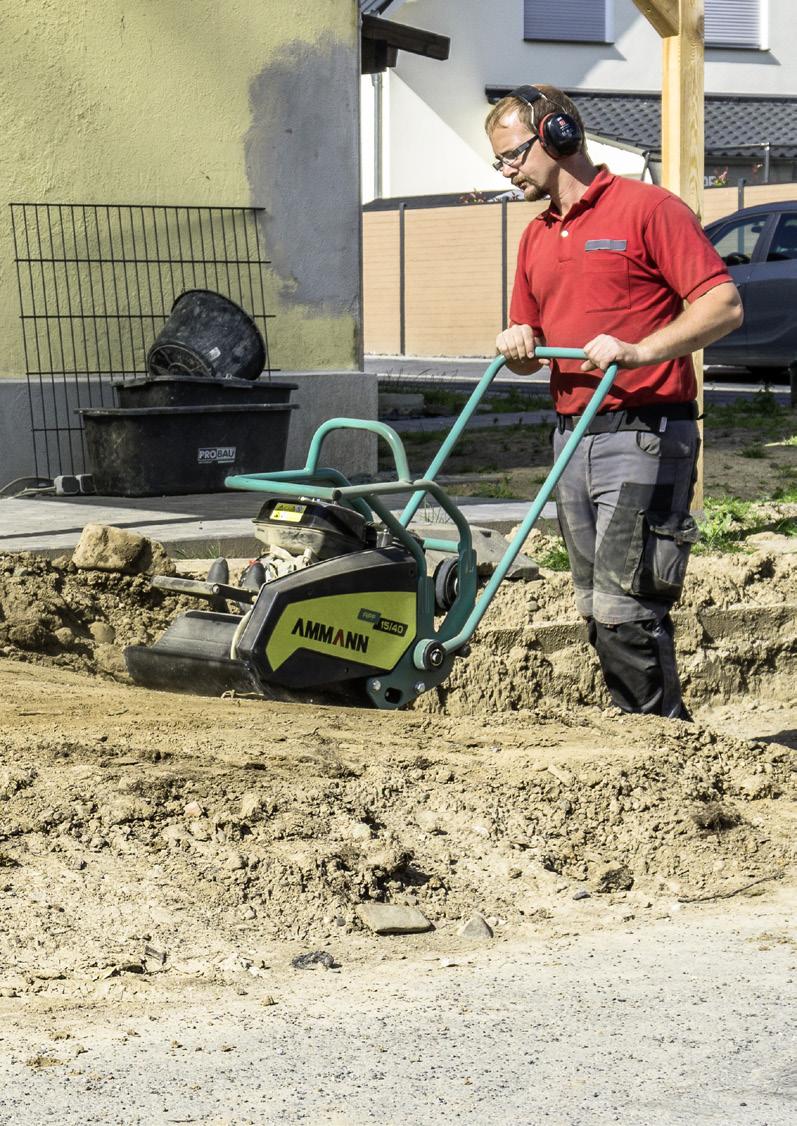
(589, 198)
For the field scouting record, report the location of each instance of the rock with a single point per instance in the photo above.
(109, 659)
(235, 862)
(174, 834)
(154, 959)
(125, 808)
(102, 633)
(429, 821)
(561, 775)
(582, 893)
(251, 804)
(193, 809)
(104, 548)
(476, 927)
(234, 964)
(267, 1000)
(64, 636)
(313, 959)
(360, 831)
(30, 634)
(614, 877)
(755, 786)
(391, 918)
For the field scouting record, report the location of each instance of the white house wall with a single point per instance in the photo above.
(433, 144)
(445, 157)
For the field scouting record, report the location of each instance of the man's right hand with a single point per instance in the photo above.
(516, 344)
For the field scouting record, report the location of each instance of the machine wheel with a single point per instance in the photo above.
(219, 572)
(446, 584)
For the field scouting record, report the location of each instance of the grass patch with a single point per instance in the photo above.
(787, 494)
(437, 400)
(516, 400)
(755, 451)
(441, 401)
(728, 522)
(555, 558)
(760, 411)
(499, 490)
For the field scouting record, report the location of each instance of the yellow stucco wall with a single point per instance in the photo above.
(205, 102)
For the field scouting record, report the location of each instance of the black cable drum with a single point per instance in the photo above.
(207, 335)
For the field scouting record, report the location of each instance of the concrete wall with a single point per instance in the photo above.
(434, 133)
(212, 102)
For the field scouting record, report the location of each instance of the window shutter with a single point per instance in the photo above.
(581, 21)
(733, 23)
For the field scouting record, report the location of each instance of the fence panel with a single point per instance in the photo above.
(459, 268)
(453, 298)
(381, 312)
(96, 284)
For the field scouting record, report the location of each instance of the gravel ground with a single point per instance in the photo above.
(689, 1019)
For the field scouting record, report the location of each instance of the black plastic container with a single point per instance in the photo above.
(196, 391)
(170, 451)
(210, 336)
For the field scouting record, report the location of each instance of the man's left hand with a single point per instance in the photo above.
(606, 350)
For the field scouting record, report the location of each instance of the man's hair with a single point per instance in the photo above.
(552, 100)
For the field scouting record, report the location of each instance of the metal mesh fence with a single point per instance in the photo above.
(97, 283)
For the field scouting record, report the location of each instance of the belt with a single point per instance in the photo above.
(650, 418)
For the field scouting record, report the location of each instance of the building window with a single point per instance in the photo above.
(574, 21)
(736, 23)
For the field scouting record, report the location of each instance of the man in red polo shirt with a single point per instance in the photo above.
(623, 270)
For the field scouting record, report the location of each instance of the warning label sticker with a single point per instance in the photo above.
(290, 513)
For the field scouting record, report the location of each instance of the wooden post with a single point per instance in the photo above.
(680, 24)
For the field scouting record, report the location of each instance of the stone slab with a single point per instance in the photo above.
(393, 918)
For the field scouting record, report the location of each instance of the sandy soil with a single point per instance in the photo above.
(147, 834)
(151, 843)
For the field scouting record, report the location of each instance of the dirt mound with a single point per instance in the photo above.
(736, 633)
(763, 578)
(79, 619)
(204, 829)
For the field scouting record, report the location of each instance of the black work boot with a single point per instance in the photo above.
(638, 664)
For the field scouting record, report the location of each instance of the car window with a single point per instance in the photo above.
(735, 242)
(784, 240)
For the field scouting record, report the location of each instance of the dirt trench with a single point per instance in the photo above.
(207, 831)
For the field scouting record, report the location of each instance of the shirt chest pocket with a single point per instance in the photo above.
(605, 281)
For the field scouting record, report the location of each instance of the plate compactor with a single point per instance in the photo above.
(364, 621)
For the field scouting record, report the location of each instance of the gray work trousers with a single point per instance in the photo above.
(623, 506)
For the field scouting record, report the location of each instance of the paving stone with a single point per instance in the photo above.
(392, 918)
(488, 544)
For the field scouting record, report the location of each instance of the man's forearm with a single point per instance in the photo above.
(710, 317)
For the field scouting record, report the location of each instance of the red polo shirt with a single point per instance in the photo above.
(621, 261)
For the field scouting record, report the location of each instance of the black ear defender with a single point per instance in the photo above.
(559, 133)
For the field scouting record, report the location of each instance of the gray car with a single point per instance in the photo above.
(759, 246)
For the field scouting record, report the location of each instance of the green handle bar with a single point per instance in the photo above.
(477, 613)
(467, 413)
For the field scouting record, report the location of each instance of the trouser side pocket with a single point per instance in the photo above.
(658, 554)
